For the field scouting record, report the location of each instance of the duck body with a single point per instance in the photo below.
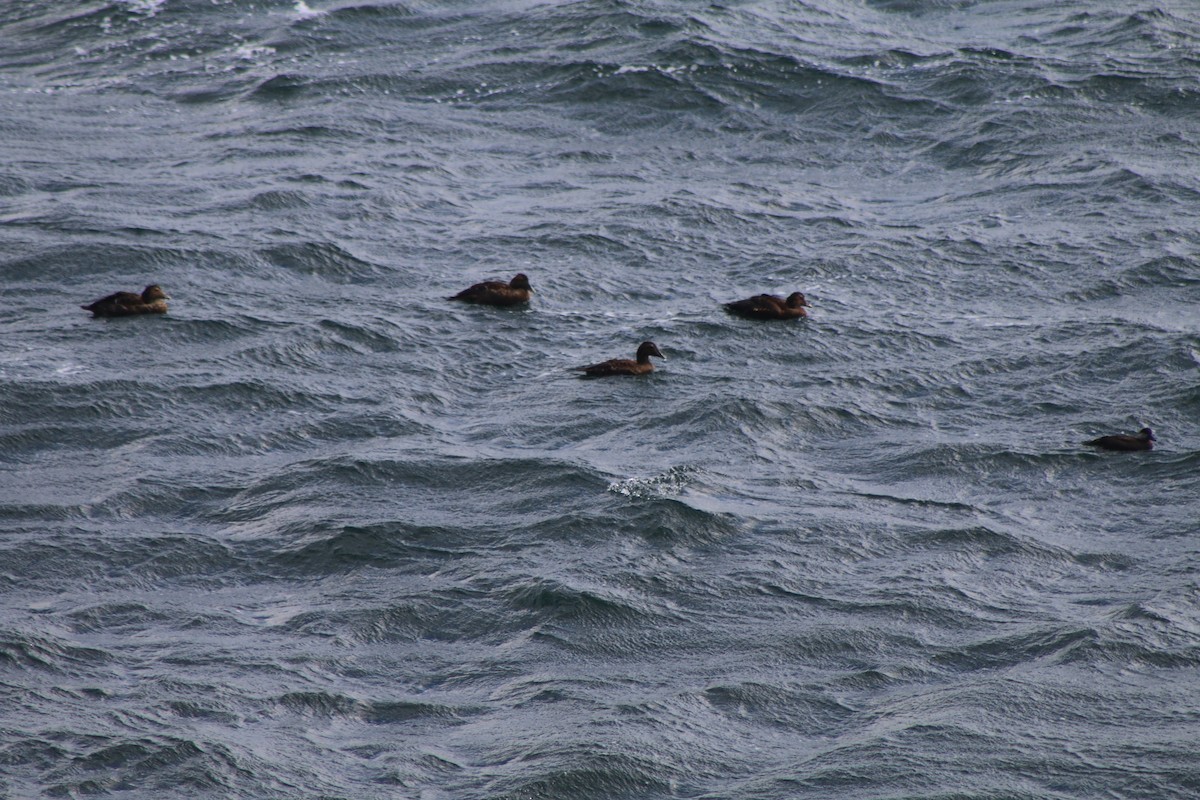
(152, 300)
(1142, 440)
(497, 293)
(624, 366)
(770, 306)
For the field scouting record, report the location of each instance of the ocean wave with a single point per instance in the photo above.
(562, 603)
(154, 762)
(565, 772)
(780, 706)
(22, 651)
(383, 545)
(319, 527)
(326, 705)
(141, 560)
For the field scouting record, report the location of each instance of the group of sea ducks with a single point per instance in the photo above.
(153, 300)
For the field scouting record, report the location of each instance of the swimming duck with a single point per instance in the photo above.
(1142, 440)
(152, 300)
(770, 306)
(624, 366)
(497, 293)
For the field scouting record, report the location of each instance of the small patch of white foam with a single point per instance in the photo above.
(252, 53)
(666, 70)
(304, 12)
(147, 8)
(668, 484)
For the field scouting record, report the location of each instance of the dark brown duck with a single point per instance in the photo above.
(152, 300)
(497, 293)
(624, 366)
(770, 306)
(1142, 440)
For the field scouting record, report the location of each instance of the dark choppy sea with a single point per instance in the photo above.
(319, 533)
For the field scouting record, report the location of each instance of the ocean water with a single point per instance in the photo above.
(319, 533)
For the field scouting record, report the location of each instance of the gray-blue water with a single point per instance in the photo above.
(318, 532)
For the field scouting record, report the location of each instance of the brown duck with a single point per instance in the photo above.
(497, 293)
(624, 366)
(152, 300)
(770, 306)
(1142, 440)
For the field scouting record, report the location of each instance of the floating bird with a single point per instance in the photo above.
(152, 300)
(497, 293)
(770, 306)
(1142, 440)
(624, 366)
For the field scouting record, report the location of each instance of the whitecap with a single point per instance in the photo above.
(667, 484)
(147, 8)
(304, 12)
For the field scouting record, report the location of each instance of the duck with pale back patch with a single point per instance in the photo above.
(624, 366)
(770, 306)
(1142, 440)
(497, 293)
(152, 300)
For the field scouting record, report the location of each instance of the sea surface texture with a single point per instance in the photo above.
(321, 533)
